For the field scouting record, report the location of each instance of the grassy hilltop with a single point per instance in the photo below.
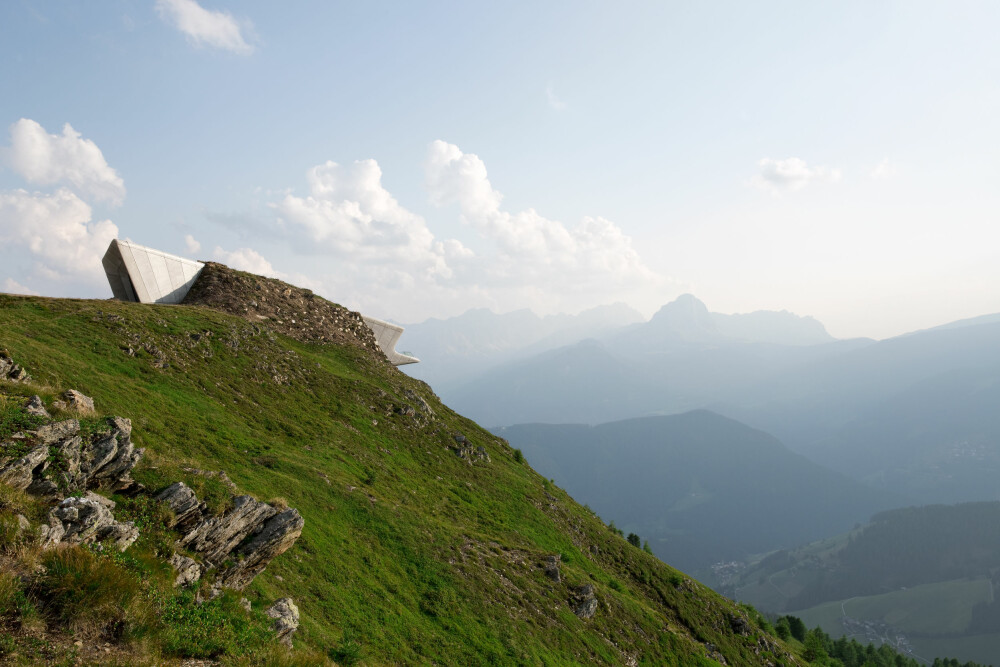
(418, 548)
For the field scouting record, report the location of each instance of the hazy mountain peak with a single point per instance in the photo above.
(685, 316)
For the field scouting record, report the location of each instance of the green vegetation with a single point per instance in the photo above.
(410, 554)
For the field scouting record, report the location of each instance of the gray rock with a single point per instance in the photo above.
(274, 538)
(108, 461)
(552, 568)
(188, 570)
(286, 619)
(77, 402)
(22, 523)
(246, 605)
(36, 408)
(740, 625)
(87, 520)
(584, 602)
(216, 537)
(11, 371)
(422, 405)
(53, 433)
(184, 503)
(21, 472)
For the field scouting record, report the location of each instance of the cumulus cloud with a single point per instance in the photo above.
(247, 259)
(204, 27)
(389, 262)
(791, 174)
(58, 230)
(594, 252)
(46, 159)
(348, 213)
(11, 286)
(191, 244)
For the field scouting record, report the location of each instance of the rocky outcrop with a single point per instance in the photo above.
(241, 542)
(11, 371)
(286, 619)
(188, 570)
(36, 408)
(61, 460)
(584, 602)
(20, 473)
(551, 568)
(465, 450)
(74, 401)
(87, 520)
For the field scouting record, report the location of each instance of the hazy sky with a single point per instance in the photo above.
(410, 159)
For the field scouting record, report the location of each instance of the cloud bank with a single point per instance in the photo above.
(203, 27)
(389, 254)
(45, 159)
(57, 228)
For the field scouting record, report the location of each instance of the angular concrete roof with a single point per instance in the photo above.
(386, 336)
(138, 273)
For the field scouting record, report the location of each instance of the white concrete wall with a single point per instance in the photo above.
(138, 273)
(386, 336)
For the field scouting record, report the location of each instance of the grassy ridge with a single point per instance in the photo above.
(410, 554)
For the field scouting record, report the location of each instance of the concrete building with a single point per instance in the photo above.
(386, 336)
(138, 273)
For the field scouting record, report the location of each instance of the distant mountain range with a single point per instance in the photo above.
(698, 486)
(913, 414)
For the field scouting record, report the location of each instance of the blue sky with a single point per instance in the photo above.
(412, 160)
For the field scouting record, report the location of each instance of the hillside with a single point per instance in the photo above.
(926, 573)
(426, 539)
(700, 487)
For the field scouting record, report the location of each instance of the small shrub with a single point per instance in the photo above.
(519, 456)
(89, 593)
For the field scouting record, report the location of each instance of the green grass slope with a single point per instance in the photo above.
(410, 554)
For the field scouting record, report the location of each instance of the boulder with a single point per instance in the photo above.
(11, 371)
(552, 568)
(184, 503)
(215, 538)
(584, 602)
(57, 431)
(275, 536)
(21, 472)
(74, 401)
(242, 541)
(286, 619)
(87, 520)
(36, 408)
(188, 570)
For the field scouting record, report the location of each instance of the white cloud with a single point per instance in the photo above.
(191, 244)
(594, 253)
(202, 26)
(11, 286)
(349, 214)
(46, 159)
(388, 262)
(791, 174)
(554, 102)
(247, 259)
(58, 230)
(883, 170)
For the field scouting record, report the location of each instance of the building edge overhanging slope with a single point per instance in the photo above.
(146, 275)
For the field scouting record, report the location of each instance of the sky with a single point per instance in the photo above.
(418, 159)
